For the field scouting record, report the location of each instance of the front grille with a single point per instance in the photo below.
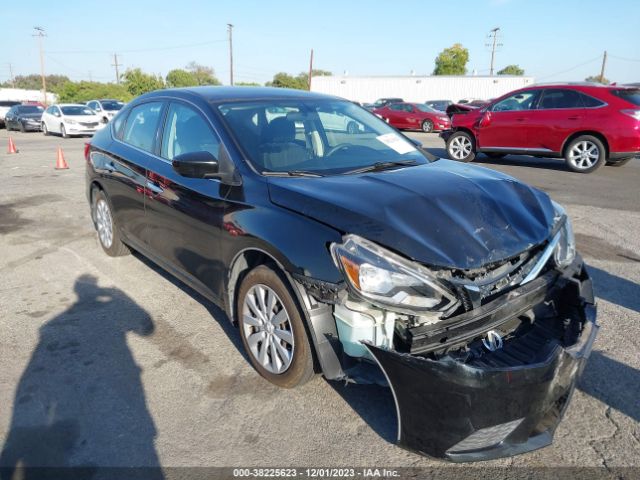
(89, 124)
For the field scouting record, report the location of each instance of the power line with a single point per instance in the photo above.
(152, 49)
(572, 68)
(625, 58)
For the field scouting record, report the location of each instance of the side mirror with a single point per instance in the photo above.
(196, 165)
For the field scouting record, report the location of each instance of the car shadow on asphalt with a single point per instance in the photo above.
(374, 404)
(613, 383)
(614, 289)
(510, 160)
(80, 401)
(216, 312)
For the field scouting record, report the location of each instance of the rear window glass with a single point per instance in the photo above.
(142, 125)
(631, 95)
(590, 102)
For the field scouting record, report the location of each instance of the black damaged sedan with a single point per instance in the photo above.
(339, 247)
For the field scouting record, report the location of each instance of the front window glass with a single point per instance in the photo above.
(320, 136)
(186, 131)
(76, 110)
(518, 101)
(425, 108)
(142, 124)
(112, 105)
(30, 109)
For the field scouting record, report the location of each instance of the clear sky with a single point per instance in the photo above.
(550, 39)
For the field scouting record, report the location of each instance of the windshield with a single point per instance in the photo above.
(112, 105)
(629, 94)
(320, 136)
(425, 108)
(30, 109)
(79, 110)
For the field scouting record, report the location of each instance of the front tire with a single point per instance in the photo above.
(461, 146)
(108, 233)
(45, 130)
(427, 126)
(22, 129)
(585, 154)
(272, 329)
(63, 131)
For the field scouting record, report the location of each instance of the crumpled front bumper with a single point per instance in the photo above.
(463, 412)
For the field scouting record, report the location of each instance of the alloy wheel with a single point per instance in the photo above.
(584, 155)
(104, 223)
(460, 147)
(267, 329)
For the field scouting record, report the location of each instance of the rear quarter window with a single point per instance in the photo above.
(591, 102)
(631, 95)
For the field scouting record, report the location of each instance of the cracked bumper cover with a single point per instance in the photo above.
(462, 412)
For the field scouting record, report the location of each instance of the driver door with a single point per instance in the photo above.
(503, 125)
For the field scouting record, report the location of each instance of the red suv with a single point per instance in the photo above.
(586, 124)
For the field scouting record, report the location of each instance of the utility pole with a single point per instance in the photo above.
(40, 34)
(493, 34)
(230, 30)
(604, 64)
(116, 64)
(13, 82)
(310, 69)
(90, 77)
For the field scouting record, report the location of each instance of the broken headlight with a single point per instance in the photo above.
(389, 280)
(565, 251)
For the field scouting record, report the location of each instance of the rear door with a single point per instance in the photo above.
(504, 125)
(185, 216)
(397, 115)
(123, 168)
(559, 113)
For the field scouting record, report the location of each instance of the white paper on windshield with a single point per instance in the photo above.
(396, 142)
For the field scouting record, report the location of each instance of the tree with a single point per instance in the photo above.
(203, 75)
(511, 70)
(597, 79)
(181, 78)
(34, 82)
(137, 82)
(319, 73)
(284, 80)
(247, 84)
(452, 61)
(83, 91)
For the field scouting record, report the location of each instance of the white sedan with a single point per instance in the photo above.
(70, 119)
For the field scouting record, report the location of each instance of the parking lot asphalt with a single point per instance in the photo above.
(112, 362)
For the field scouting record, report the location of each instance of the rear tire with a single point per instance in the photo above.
(461, 146)
(272, 339)
(108, 233)
(585, 154)
(619, 163)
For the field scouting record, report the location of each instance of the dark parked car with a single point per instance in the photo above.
(382, 102)
(414, 116)
(351, 252)
(24, 118)
(5, 105)
(440, 105)
(587, 124)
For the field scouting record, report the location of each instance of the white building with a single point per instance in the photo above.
(22, 95)
(419, 88)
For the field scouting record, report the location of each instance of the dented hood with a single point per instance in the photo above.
(444, 214)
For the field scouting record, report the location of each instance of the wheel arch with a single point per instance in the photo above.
(593, 133)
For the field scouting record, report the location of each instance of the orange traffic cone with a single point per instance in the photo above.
(61, 163)
(12, 146)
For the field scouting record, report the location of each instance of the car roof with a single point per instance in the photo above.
(69, 105)
(232, 94)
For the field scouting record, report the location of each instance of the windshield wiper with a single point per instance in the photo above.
(293, 173)
(379, 166)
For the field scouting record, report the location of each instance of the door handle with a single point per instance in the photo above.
(154, 187)
(521, 119)
(110, 167)
(575, 117)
